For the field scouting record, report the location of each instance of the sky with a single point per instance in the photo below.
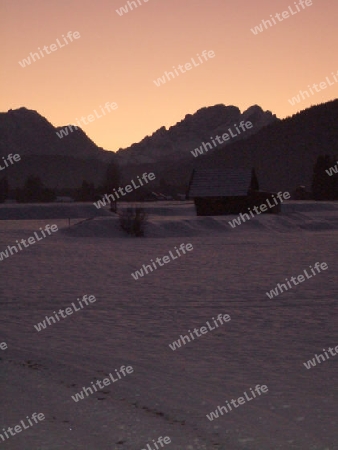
(116, 58)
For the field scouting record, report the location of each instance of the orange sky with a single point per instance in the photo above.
(117, 58)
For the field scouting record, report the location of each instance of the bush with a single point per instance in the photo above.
(133, 221)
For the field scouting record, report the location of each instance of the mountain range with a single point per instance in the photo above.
(282, 151)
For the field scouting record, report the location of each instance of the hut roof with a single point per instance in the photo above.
(219, 183)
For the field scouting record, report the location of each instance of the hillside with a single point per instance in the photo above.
(282, 151)
(176, 143)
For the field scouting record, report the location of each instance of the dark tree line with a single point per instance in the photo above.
(34, 190)
(324, 185)
(88, 192)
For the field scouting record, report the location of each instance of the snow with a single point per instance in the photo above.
(133, 322)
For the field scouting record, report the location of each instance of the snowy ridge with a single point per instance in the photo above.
(180, 220)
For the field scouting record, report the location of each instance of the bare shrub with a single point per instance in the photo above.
(133, 221)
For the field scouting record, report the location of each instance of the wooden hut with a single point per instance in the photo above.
(226, 191)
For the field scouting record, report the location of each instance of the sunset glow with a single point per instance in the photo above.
(86, 54)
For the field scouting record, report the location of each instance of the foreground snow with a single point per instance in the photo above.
(133, 322)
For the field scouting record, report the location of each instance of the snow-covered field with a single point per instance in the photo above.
(133, 322)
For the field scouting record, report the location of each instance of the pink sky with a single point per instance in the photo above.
(117, 58)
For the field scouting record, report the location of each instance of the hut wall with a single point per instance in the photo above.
(219, 206)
